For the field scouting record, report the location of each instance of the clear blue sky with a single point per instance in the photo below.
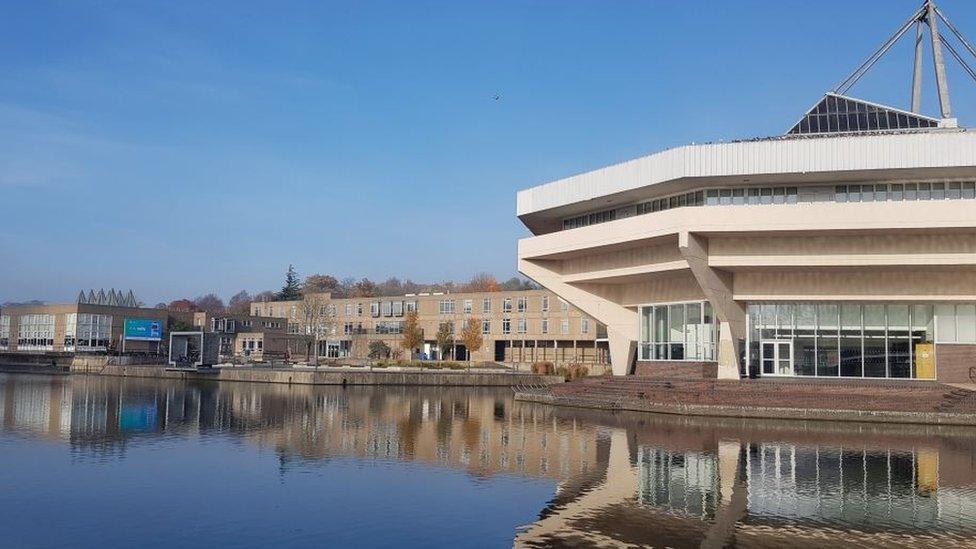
(179, 148)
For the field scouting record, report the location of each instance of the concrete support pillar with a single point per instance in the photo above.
(717, 287)
(622, 351)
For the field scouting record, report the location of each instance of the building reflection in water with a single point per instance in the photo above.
(622, 479)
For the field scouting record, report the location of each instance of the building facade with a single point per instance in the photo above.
(94, 324)
(516, 326)
(843, 249)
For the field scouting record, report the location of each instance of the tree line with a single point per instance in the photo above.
(294, 288)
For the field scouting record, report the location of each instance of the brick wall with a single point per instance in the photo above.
(677, 370)
(954, 361)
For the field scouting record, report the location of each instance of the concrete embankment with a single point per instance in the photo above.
(338, 376)
(754, 412)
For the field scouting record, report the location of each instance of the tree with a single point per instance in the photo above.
(391, 286)
(292, 290)
(319, 283)
(482, 282)
(160, 305)
(471, 336)
(182, 306)
(413, 334)
(445, 338)
(318, 318)
(378, 350)
(264, 297)
(209, 303)
(364, 288)
(240, 303)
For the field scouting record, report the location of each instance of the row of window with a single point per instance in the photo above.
(521, 327)
(950, 190)
(677, 331)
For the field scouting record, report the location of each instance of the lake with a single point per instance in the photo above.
(111, 462)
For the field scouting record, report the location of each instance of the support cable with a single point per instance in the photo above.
(866, 66)
(958, 57)
(956, 32)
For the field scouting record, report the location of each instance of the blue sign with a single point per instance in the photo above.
(143, 329)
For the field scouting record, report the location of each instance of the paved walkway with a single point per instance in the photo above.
(847, 400)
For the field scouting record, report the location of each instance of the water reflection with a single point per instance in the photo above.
(620, 479)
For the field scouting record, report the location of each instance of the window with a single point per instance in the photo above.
(4, 332)
(486, 326)
(677, 331)
(545, 303)
(374, 309)
(506, 325)
(348, 309)
(521, 325)
(410, 306)
(507, 305)
(545, 325)
(397, 308)
(93, 332)
(564, 326)
(359, 309)
(563, 305)
(956, 323)
(486, 305)
(466, 306)
(523, 303)
(584, 325)
(446, 306)
(387, 308)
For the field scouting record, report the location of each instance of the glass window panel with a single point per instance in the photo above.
(938, 191)
(784, 320)
(966, 323)
(676, 314)
(827, 343)
(853, 193)
(945, 319)
(867, 193)
(875, 351)
(850, 340)
(954, 190)
(899, 342)
(924, 191)
(897, 192)
(911, 191)
(660, 324)
(693, 331)
(840, 193)
(969, 189)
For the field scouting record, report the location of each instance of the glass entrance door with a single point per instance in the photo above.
(777, 358)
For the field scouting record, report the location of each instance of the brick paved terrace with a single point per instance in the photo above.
(868, 395)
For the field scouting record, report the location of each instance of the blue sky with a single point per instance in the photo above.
(179, 148)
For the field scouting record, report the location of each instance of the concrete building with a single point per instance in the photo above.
(252, 337)
(94, 324)
(517, 326)
(845, 248)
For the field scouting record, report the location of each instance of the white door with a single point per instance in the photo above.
(777, 358)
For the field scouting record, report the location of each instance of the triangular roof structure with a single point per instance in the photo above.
(836, 113)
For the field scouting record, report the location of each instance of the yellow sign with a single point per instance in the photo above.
(925, 360)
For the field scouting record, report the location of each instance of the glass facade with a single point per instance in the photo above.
(840, 114)
(875, 340)
(677, 331)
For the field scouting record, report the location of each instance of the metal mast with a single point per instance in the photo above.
(940, 76)
(927, 15)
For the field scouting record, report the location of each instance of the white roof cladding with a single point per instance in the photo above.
(835, 153)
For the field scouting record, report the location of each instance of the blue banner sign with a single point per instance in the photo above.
(143, 329)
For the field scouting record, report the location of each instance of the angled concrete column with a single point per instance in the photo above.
(622, 351)
(620, 321)
(717, 287)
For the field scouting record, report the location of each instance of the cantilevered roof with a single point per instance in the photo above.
(837, 113)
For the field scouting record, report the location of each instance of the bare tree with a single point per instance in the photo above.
(318, 320)
(240, 303)
(209, 303)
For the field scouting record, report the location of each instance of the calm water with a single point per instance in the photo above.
(118, 463)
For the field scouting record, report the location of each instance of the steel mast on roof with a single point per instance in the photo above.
(928, 14)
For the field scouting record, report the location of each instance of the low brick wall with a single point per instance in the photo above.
(677, 370)
(954, 361)
(328, 377)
